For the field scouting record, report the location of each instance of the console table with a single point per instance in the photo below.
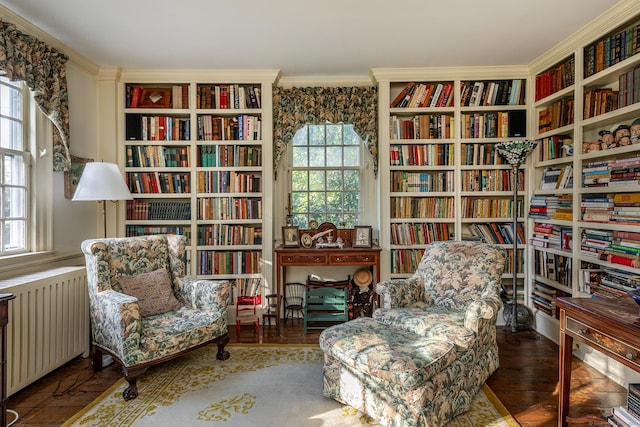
(300, 257)
(611, 326)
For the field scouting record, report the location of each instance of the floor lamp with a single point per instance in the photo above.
(515, 152)
(100, 182)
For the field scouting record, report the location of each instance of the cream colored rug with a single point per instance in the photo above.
(260, 385)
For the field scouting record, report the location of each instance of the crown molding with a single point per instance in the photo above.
(323, 81)
(141, 75)
(444, 73)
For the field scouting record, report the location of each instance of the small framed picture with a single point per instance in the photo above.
(290, 237)
(362, 236)
(72, 176)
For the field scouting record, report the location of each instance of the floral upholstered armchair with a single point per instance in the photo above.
(453, 296)
(144, 310)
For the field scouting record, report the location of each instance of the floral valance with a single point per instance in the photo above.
(296, 107)
(23, 57)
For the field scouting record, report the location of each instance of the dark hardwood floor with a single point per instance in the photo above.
(526, 381)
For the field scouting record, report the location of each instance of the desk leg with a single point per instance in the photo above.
(278, 295)
(564, 364)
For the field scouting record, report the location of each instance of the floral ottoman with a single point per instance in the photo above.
(394, 376)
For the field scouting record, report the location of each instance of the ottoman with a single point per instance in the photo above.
(394, 376)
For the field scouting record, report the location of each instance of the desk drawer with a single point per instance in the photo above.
(303, 259)
(351, 259)
(601, 339)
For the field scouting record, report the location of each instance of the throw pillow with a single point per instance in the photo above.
(153, 290)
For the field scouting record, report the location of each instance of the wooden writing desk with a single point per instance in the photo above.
(611, 326)
(300, 257)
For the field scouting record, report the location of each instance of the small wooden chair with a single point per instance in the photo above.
(272, 308)
(246, 313)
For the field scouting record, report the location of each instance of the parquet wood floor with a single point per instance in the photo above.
(526, 381)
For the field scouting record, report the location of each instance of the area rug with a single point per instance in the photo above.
(260, 385)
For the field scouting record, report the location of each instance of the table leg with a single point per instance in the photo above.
(564, 364)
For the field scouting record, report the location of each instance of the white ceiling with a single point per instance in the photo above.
(305, 38)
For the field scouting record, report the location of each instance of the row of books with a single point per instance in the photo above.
(544, 298)
(617, 172)
(556, 78)
(551, 236)
(629, 85)
(606, 282)
(481, 154)
(174, 96)
(422, 126)
(226, 208)
(599, 101)
(622, 208)
(405, 261)
(158, 182)
(490, 180)
(422, 233)
(229, 155)
(419, 95)
(422, 207)
(229, 182)
(556, 115)
(421, 155)
(555, 147)
(498, 233)
(493, 125)
(158, 210)
(421, 182)
(146, 230)
(157, 156)
(612, 49)
(489, 208)
(246, 287)
(240, 128)
(555, 267)
(140, 127)
(229, 262)
(229, 234)
(228, 96)
(488, 93)
(554, 178)
(615, 247)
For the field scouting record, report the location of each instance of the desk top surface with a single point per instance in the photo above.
(326, 250)
(623, 310)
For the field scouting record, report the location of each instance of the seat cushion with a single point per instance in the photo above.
(434, 322)
(386, 353)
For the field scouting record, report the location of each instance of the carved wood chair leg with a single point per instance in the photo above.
(222, 353)
(96, 359)
(131, 392)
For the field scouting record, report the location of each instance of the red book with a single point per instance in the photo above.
(136, 94)
(626, 235)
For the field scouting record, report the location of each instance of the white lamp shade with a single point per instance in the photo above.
(101, 181)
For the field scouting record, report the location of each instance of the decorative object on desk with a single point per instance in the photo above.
(362, 236)
(518, 316)
(306, 240)
(313, 224)
(100, 182)
(327, 229)
(290, 237)
(72, 176)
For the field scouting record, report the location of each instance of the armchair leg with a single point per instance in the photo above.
(131, 392)
(96, 359)
(221, 342)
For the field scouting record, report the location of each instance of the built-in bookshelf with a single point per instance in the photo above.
(443, 178)
(585, 194)
(195, 161)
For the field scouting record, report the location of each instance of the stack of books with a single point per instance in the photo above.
(623, 248)
(597, 208)
(626, 208)
(596, 174)
(543, 206)
(627, 416)
(625, 171)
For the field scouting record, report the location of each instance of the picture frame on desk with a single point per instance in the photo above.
(290, 237)
(362, 235)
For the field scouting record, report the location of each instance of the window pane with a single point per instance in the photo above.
(10, 134)
(300, 157)
(350, 135)
(350, 220)
(352, 180)
(10, 104)
(316, 180)
(317, 201)
(352, 155)
(14, 235)
(334, 180)
(299, 202)
(299, 180)
(334, 201)
(334, 156)
(300, 138)
(14, 202)
(351, 201)
(14, 172)
(316, 156)
(334, 134)
(316, 135)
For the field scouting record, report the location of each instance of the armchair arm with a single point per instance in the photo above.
(486, 308)
(402, 292)
(208, 295)
(116, 324)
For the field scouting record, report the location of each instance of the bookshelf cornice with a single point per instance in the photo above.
(199, 76)
(445, 73)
